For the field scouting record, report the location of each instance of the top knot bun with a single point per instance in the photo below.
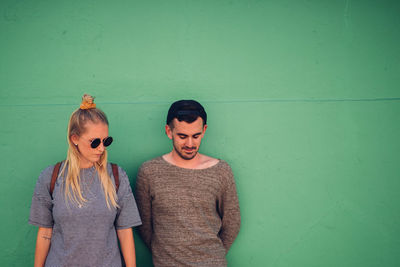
(87, 102)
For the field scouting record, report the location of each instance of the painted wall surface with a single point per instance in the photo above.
(303, 101)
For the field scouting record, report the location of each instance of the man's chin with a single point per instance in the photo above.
(188, 157)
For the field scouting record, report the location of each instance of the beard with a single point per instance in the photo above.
(181, 154)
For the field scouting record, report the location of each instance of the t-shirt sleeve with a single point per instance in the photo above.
(42, 204)
(128, 214)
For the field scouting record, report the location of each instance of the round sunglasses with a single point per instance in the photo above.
(106, 142)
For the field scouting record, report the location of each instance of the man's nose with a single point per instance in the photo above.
(189, 142)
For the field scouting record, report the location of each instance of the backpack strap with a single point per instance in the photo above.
(116, 176)
(54, 176)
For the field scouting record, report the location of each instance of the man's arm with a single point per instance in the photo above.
(43, 242)
(143, 200)
(230, 213)
(125, 237)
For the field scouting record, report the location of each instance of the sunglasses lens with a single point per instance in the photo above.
(108, 141)
(95, 143)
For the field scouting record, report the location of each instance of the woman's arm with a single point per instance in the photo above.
(43, 242)
(125, 237)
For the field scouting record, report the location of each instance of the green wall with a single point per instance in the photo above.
(303, 101)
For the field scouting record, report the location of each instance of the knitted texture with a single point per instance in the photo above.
(190, 216)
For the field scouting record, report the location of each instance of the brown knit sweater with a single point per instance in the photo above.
(190, 216)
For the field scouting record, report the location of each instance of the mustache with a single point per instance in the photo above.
(187, 147)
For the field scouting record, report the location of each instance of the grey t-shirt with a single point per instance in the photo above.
(83, 235)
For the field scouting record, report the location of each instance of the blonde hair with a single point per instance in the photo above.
(76, 126)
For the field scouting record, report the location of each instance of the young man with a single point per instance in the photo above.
(187, 201)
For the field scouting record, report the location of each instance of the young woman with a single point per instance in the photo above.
(80, 219)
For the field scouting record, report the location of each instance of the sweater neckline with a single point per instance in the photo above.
(188, 169)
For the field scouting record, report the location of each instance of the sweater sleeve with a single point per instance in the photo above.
(143, 198)
(229, 210)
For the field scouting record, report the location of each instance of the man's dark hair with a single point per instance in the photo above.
(186, 110)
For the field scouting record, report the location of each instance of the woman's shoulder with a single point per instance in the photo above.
(121, 172)
(110, 167)
(45, 175)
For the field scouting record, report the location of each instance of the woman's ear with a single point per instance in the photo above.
(74, 139)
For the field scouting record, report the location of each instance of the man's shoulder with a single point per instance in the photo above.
(152, 164)
(224, 166)
(210, 162)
